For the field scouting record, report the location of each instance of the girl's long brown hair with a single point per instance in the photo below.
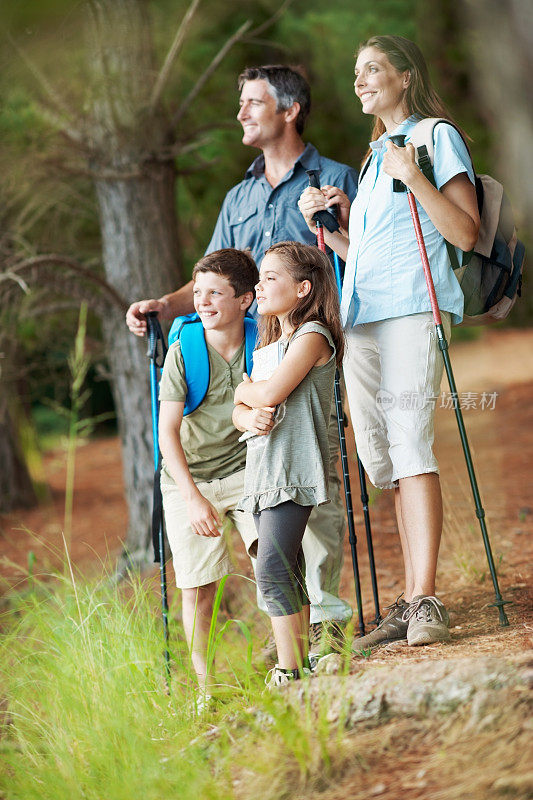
(420, 97)
(305, 262)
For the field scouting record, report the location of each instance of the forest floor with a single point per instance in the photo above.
(494, 375)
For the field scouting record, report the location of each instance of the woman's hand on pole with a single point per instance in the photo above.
(399, 162)
(453, 210)
(311, 200)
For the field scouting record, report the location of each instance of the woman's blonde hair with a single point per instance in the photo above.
(306, 262)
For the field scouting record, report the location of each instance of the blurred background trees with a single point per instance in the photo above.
(117, 120)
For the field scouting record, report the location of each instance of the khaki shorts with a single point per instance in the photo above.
(392, 370)
(199, 560)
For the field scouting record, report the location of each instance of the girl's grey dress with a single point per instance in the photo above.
(292, 461)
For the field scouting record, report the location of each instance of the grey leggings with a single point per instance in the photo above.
(280, 570)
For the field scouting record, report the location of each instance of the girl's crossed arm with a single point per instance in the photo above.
(307, 351)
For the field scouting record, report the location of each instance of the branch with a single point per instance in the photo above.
(190, 142)
(97, 173)
(212, 126)
(10, 275)
(74, 135)
(273, 19)
(184, 107)
(201, 166)
(73, 266)
(95, 11)
(66, 115)
(202, 80)
(172, 55)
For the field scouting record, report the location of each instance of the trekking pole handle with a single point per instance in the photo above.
(157, 348)
(399, 140)
(324, 217)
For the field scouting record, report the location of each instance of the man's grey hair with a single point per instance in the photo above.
(287, 85)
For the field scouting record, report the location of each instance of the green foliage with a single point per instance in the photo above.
(46, 208)
(87, 713)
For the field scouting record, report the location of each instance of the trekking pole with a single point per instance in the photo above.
(321, 218)
(364, 492)
(362, 477)
(398, 186)
(157, 351)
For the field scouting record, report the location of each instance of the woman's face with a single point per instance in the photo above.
(379, 86)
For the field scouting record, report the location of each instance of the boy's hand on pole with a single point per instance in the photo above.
(203, 517)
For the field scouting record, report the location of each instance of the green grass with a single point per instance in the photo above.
(85, 711)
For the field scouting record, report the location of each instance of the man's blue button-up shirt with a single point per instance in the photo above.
(254, 215)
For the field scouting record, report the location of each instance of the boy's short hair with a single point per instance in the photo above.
(237, 266)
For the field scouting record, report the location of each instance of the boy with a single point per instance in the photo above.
(203, 461)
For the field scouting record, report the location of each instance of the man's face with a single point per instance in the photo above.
(261, 123)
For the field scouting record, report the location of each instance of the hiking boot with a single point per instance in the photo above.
(427, 621)
(326, 637)
(277, 676)
(391, 629)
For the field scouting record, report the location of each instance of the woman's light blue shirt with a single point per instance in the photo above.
(384, 276)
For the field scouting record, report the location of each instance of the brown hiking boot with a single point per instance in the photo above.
(391, 629)
(326, 637)
(427, 621)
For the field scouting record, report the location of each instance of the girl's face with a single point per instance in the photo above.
(379, 86)
(277, 293)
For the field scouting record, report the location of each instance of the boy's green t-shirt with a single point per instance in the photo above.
(208, 436)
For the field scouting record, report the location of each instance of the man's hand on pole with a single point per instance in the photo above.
(135, 315)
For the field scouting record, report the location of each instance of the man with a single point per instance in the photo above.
(258, 211)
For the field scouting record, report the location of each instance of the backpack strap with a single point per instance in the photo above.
(193, 348)
(364, 169)
(250, 341)
(421, 137)
(189, 331)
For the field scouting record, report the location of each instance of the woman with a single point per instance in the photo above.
(392, 365)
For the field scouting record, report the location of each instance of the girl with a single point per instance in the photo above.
(393, 367)
(287, 468)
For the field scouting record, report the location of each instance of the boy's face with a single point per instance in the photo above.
(215, 301)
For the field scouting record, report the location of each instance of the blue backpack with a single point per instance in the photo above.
(189, 331)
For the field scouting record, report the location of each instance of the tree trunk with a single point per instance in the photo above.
(16, 487)
(136, 200)
(504, 37)
(140, 252)
(502, 59)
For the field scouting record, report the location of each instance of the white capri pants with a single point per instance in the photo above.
(393, 370)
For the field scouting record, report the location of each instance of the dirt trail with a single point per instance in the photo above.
(501, 438)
